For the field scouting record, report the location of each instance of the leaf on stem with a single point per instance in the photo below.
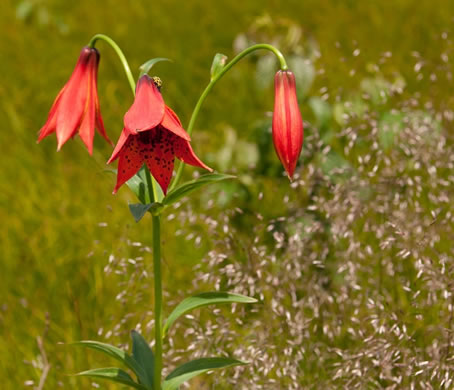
(143, 355)
(201, 300)
(117, 354)
(145, 68)
(196, 367)
(113, 374)
(190, 186)
(138, 210)
(140, 186)
(218, 64)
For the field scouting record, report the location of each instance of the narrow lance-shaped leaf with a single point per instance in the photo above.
(113, 374)
(190, 186)
(196, 367)
(143, 355)
(139, 188)
(116, 353)
(204, 299)
(145, 67)
(218, 64)
(139, 184)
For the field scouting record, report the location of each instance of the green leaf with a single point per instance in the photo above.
(116, 353)
(190, 186)
(113, 374)
(218, 64)
(377, 88)
(142, 354)
(25, 9)
(204, 299)
(196, 367)
(305, 73)
(138, 210)
(140, 183)
(336, 167)
(389, 127)
(265, 70)
(145, 68)
(339, 113)
(321, 110)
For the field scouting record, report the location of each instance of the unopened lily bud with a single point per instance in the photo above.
(287, 121)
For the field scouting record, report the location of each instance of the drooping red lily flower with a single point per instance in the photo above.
(76, 107)
(153, 135)
(287, 121)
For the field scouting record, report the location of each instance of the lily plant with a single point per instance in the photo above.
(152, 137)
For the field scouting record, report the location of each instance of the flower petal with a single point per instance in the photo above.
(159, 154)
(131, 160)
(87, 125)
(147, 110)
(76, 107)
(121, 142)
(73, 101)
(171, 122)
(184, 152)
(49, 127)
(99, 121)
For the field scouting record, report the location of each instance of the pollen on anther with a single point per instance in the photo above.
(157, 81)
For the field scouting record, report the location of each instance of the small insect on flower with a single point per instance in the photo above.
(287, 121)
(76, 107)
(153, 135)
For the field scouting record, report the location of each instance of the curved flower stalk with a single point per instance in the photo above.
(221, 67)
(76, 108)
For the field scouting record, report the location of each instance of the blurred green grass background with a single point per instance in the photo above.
(60, 221)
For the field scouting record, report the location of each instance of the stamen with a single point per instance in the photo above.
(157, 81)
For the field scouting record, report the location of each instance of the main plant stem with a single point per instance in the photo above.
(152, 186)
(158, 301)
(214, 80)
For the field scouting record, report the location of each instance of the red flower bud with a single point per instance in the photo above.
(287, 121)
(76, 107)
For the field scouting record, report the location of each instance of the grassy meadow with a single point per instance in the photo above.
(352, 262)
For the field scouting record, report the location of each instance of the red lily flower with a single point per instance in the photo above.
(76, 107)
(287, 121)
(153, 135)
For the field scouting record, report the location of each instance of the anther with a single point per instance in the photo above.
(157, 81)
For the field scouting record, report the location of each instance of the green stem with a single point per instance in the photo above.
(120, 54)
(151, 183)
(158, 301)
(214, 80)
(157, 285)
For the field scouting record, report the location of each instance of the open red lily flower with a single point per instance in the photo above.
(287, 121)
(153, 135)
(76, 107)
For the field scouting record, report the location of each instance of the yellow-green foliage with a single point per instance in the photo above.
(60, 222)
